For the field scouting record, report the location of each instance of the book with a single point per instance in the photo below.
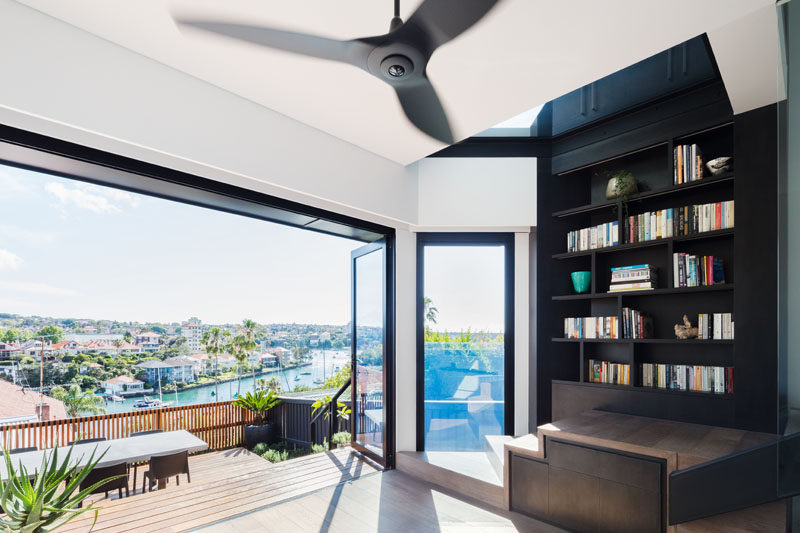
(591, 327)
(696, 271)
(688, 164)
(715, 326)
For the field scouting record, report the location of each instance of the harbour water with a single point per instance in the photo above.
(289, 379)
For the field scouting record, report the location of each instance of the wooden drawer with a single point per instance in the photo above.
(529, 481)
(627, 470)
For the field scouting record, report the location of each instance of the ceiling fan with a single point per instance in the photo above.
(399, 57)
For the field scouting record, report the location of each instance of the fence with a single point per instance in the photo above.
(219, 424)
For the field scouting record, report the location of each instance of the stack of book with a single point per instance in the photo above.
(717, 326)
(598, 236)
(688, 164)
(717, 379)
(605, 372)
(633, 278)
(697, 271)
(679, 221)
(591, 327)
(636, 325)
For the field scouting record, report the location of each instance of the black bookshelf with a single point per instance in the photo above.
(574, 198)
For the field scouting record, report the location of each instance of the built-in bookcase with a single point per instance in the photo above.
(653, 168)
(572, 196)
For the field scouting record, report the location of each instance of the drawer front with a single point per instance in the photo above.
(636, 472)
(529, 480)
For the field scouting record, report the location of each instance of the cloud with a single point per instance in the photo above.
(26, 235)
(92, 197)
(26, 287)
(9, 261)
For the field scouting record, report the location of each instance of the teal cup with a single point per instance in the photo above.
(581, 281)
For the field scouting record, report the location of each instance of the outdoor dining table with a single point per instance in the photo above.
(128, 450)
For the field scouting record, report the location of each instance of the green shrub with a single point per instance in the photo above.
(260, 448)
(319, 448)
(341, 439)
(275, 456)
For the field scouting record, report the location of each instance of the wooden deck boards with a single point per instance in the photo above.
(389, 502)
(224, 484)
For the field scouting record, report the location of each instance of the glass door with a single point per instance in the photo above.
(369, 351)
(464, 340)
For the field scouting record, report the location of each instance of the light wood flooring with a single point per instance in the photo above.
(385, 502)
(224, 484)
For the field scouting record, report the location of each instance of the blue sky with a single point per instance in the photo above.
(70, 249)
(74, 250)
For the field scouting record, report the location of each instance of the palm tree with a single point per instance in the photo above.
(77, 402)
(429, 311)
(248, 333)
(216, 342)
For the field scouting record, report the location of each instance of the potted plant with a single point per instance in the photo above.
(342, 412)
(48, 500)
(259, 404)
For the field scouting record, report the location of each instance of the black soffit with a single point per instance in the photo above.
(40, 153)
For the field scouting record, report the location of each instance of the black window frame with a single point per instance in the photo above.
(40, 153)
(504, 239)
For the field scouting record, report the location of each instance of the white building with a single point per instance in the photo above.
(149, 341)
(192, 331)
(122, 385)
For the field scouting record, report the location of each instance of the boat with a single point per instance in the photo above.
(305, 373)
(318, 381)
(115, 398)
(150, 403)
(297, 378)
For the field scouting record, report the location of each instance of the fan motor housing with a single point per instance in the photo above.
(395, 63)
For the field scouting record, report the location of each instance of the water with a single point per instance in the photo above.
(333, 358)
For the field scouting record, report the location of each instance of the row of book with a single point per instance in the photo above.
(697, 271)
(716, 379)
(717, 326)
(688, 162)
(679, 221)
(599, 236)
(635, 324)
(591, 327)
(633, 277)
(605, 372)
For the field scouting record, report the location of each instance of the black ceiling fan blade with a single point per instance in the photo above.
(423, 108)
(444, 20)
(354, 52)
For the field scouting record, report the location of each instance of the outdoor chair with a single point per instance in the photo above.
(22, 450)
(85, 441)
(136, 465)
(99, 474)
(166, 466)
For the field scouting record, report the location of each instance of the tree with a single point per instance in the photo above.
(77, 402)
(247, 343)
(216, 342)
(430, 312)
(51, 334)
(128, 336)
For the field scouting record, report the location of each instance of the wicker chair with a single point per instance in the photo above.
(99, 474)
(166, 466)
(136, 465)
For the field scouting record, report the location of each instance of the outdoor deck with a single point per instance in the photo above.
(224, 485)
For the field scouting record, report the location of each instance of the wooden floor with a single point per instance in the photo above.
(224, 484)
(386, 502)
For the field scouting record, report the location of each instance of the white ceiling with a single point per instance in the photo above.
(522, 54)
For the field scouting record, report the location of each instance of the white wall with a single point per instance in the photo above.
(64, 82)
(476, 192)
(406, 342)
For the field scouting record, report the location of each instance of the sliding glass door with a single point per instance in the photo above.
(465, 339)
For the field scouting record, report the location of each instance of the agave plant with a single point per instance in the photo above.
(48, 500)
(259, 403)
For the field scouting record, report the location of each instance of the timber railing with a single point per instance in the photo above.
(219, 424)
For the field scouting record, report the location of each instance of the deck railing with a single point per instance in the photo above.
(219, 424)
